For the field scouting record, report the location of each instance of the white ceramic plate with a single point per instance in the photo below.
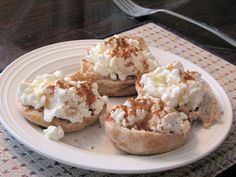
(90, 148)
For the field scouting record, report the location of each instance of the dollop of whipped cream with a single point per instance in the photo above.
(149, 115)
(120, 56)
(61, 97)
(54, 133)
(174, 86)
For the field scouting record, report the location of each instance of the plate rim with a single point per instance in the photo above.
(19, 138)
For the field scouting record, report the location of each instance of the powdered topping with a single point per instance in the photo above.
(174, 86)
(149, 115)
(60, 97)
(120, 57)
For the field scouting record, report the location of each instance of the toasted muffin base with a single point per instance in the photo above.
(144, 142)
(36, 117)
(106, 86)
(116, 88)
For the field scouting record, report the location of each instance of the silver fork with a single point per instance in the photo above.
(132, 9)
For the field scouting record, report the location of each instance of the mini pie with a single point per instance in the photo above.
(53, 99)
(147, 126)
(115, 63)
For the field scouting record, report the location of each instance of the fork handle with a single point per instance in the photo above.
(202, 25)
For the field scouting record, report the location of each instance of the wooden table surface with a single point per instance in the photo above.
(28, 24)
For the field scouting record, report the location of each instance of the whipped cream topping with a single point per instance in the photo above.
(62, 98)
(150, 115)
(120, 57)
(174, 86)
(54, 133)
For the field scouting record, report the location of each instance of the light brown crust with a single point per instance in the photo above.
(209, 114)
(116, 88)
(106, 86)
(36, 117)
(143, 142)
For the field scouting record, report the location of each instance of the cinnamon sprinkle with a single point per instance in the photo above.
(51, 89)
(170, 67)
(186, 75)
(129, 64)
(189, 75)
(161, 111)
(62, 84)
(145, 65)
(142, 103)
(122, 49)
(85, 89)
(124, 52)
(120, 41)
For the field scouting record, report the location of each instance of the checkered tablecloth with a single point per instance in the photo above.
(18, 160)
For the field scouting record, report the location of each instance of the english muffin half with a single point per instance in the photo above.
(184, 90)
(53, 99)
(115, 64)
(144, 126)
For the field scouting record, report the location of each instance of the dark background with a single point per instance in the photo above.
(29, 24)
